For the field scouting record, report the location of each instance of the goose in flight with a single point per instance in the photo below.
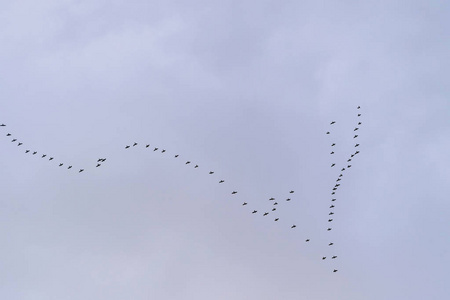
(343, 169)
(334, 189)
(26, 151)
(196, 166)
(324, 257)
(98, 165)
(333, 193)
(333, 257)
(2, 125)
(332, 165)
(211, 172)
(288, 199)
(356, 128)
(335, 270)
(359, 123)
(332, 123)
(328, 132)
(51, 158)
(332, 206)
(126, 147)
(334, 199)
(330, 244)
(8, 134)
(81, 170)
(349, 159)
(359, 115)
(293, 226)
(307, 240)
(337, 184)
(276, 219)
(134, 144)
(355, 136)
(333, 144)
(155, 149)
(98, 160)
(234, 192)
(272, 198)
(176, 155)
(60, 165)
(328, 229)
(265, 214)
(146, 146)
(254, 212)
(222, 181)
(245, 203)
(352, 155)
(338, 179)
(34, 152)
(291, 192)
(331, 213)
(274, 209)
(69, 167)
(356, 145)
(332, 152)
(349, 166)
(356, 152)
(359, 107)
(163, 150)
(13, 140)
(44, 155)
(19, 144)
(276, 203)
(188, 162)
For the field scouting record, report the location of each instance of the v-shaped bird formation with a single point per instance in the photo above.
(273, 203)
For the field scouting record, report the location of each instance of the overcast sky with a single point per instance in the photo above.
(246, 89)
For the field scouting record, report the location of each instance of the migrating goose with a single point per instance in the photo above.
(211, 172)
(307, 240)
(288, 199)
(332, 152)
(349, 159)
(291, 192)
(274, 209)
(81, 170)
(98, 165)
(222, 181)
(333, 257)
(331, 206)
(245, 203)
(293, 226)
(188, 162)
(330, 244)
(13, 140)
(328, 132)
(176, 155)
(324, 257)
(334, 199)
(2, 125)
(265, 214)
(338, 179)
(44, 155)
(328, 229)
(276, 203)
(332, 123)
(355, 136)
(69, 167)
(331, 213)
(234, 192)
(359, 123)
(155, 149)
(335, 270)
(272, 198)
(333, 144)
(34, 152)
(51, 158)
(60, 164)
(26, 151)
(356, 152)
(98, 160)
(334, 189)
(333, 193)
(134, 144)
(276, 219)
(146, 146)
(359, 107)
(337, 184)
(163, 150)
(126, 147)
(254, 212)
(359, 115)
(349, 166)
(343, 169)
(356, 145)
(352, 155)
(355, 129)
(196, 166)
(8, 134)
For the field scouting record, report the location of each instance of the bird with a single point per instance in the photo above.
(60, 164)
(245, 203)
(272, 198)
(359, 115)
(69, 167)
(343, 169)
(196, 166)
(332, 152)
(335, 270)
(352, 155)
(265, 214)
(2, 125)
(276, 203)
(359, 107)
(332, 123)
(328, 229)
(332, 165)
(349, 159)
(307, 240)
(328, 132)
(163, 150)
(333, 144)
(356, 152)
(359, 123)
(222, 181)
(349, 166)
(126, 147)
(8, 134)
(81, 170)
(211, 172)
(355, 136)
(332, 206)
(338, 179)
(334, 189)
(337, 184)
(334, 199)
(176, 155)
(288, 199)
(34, 152)
(98, 165)
(274, 209)
(26, 151)
(254, 212)
(134, 144)
(276, 219)
(356, 145)
(333, 193)
(291, 192)
(331, 213)
(324, 257)
(51, 158)
(98, 160)
(19, 144)
(14, 140)
(44, 155)
(234, 192)
(330, 244)
(333, 257)
(103, 159)
(155, 149)
(293, 226)
(146, 146)
(188, 162)
(356, 128)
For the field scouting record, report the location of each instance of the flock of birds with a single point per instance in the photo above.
(273, 201)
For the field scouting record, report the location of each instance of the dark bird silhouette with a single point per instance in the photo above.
(69, 167)
(291, 192)
(356, 152)
(338, 179)
(333, 144)
(334, 189)
(333, 193)
(26, 151)
(60, 164)
(288, 199)
(337, 184)
(272, 198)
(332, 165)
(276, 219)
(330, 244)
(98, 160)
(13, 140)
(126, 147)
(176, 155)
(328, 132)
(331, 213)
(104, 159)
(274, 209)
(245, 203)
(324, 257)
(98, 165)
(211, 172)
(276, 203)
(34, 152)
(188, 162)
(155, 149)
(307, 240)
(356, 145)
(8, 134)
(293, 226)
(234, 192)
(359, 115)
(51, 158)
(355, 129)
(332, 152)
(349, 166)
(134, 144)
(359, 123)
(359, 107)
(222, 181)
(44, 155)
(146, 146)
(332, 206)
(352, 155)
(334, 199)
(254, 212)
(196, 166)
(328, 229)
(81, 170)
(343, 169)
(349, 159)
(355, 136)
(265, 214)
(332, 123)
(2, 125)
(335, 270)
(333, 257)
(163, 150)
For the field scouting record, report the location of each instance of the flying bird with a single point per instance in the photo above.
(334, 257)
(349, 166)
(272, 198)
(355, 136)
(334, 199)
(359, 107)
(176, 155)
(276, 219)
(81, 170)
(328, 132)
(332, 123)
(359, 123)
(307, 240)
(349, 159)
(13, 140)
(155, 149)
(324, 257)
(338, 179)
(333, 193)
(245, 203)
(196, 166)
(69, 167)
(211, 172)
(222, 181)
(331, 213)
(34, 152)
(343, 169)
(274, 209)
(330, 244)
(288, 199)
(331, 206)
(188, 162)
(335, 270)
(333, 144)
(26, 151)
(234, 192)
(356, 145)
(254, 212)
(44, 155)
(328, 229)
(60, 164)
(146, 146)
(2, 125)
(293, 226)
(51, 158)
(332, 165)
(134, 144)
(355, 129)
(8, 134)
(291, 192)
(98, 165)
(163, 150)
(356, 152)
(359, 115)
(332, 152)
(265, 214)
(276, 203)
(126, 147)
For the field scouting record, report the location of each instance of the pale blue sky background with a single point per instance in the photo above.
(243, 88)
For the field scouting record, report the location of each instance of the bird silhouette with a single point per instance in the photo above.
(60, 164)
(188, 162)
(307, 240)
(359, 123)
(2, 125)
(331, 213)
(293, 226)
(98, 160)
(234, 192)
(356, 145)
(332, 206)
(222, 181)
(288, 199)
(51, 158)
(155, 149)
(276, 219)
(19, 144)
(8, 134)
(334, 199)
(196, 166)
(328, 229)
(291, 192)
(343, 169)
(338, 179)
(176, 155)
(333, 144)
(332, 123)
(146, 146)
(26, 151)
(335, 270)
(359, 107)
(355, 136)
(44, 155)
(34, 152)
(333, 257)
(328, 132)
(272, 198)
(332, 165)
(98, 165)
(330, 244)
(265, 214)
(13, 140)
(274, 209)
(211, 172)
(349, 159)
(245, 203)
(359, 115)
(134, 144)
(355, 129)
(126, 147)
(349, 166)
(69, 167)
(163, 151)
(324, 257)
(81, 170)
(332, 152)
(254, 212)
(333, 193)
(356, 152)
(276, 203)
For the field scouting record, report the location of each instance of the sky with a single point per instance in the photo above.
(244, 89)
